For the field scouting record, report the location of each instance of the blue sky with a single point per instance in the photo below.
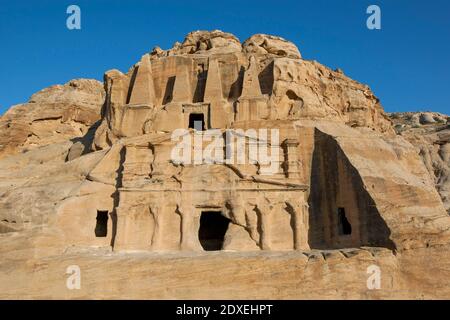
(406, 63)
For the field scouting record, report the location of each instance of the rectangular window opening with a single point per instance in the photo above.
(197, 121)
(344, 226)
(101, 228)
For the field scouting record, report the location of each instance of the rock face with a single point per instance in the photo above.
(37, 138)
(55, 114)
(430, 133)
(273, 161)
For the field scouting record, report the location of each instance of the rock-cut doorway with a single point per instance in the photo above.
(213, 226)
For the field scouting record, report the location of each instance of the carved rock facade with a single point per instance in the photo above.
(88, 175)
(343, 178)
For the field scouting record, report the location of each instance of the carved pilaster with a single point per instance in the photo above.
(189, 229)
(291, 162)
(124, 224)
(237, 210)
(264, 212)
(158, 218)
(300, 212)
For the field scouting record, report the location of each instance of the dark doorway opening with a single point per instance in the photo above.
(197, 121)
(345, 228)
(101, 228)
(213, 226)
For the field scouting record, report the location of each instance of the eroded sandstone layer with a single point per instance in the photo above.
(429, 132)
(96, 183)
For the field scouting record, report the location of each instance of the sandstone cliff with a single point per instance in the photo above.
(295, 88)
(53, 115)
(429, 132)
(36, 140)
(86, 178)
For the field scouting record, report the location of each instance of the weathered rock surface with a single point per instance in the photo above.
(337, 274)
(38, 139)
(53, 115)
(294, 88)
(98, 185)
(429, 132)
(33, 184)
(266, 44)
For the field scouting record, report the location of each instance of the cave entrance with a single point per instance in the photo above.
(211, 233)
(101, 228)
(197, 121)
(344, 226)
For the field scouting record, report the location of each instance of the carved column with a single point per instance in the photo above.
(264, 223)
(291, 163)
(158, 217)
(300, 213)
(251, 220)
(189, 229)
(238, 212)
(121, 235)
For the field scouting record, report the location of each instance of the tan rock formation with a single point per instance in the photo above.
(291, 171)
(55, 114)
(266, 44)
(430, 134)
